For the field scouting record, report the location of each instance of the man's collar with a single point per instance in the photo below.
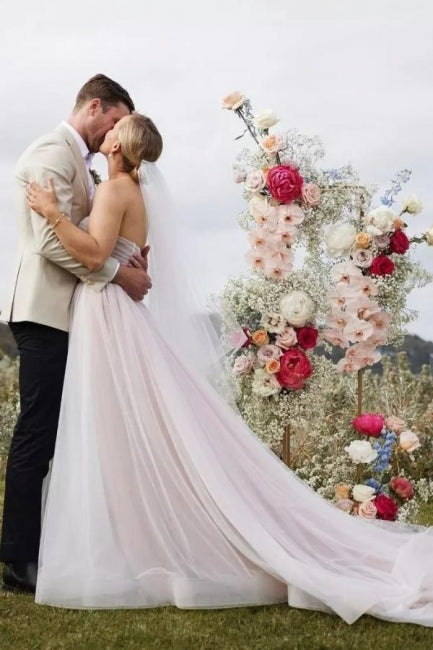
(84, 149)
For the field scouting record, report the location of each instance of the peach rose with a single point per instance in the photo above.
(260, 337)
(398, 224)
(272, 143)
(342, 491)
(409, 441)
(363, 239)
(393, 423)
(272, 366)
(234, 101)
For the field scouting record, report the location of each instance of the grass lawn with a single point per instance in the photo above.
(24, 625)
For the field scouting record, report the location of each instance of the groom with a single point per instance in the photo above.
(37, 309)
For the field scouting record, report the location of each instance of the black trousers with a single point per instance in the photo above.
(43, 351)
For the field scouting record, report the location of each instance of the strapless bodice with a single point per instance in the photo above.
(123, 249)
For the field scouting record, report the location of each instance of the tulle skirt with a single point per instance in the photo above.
(161, 495)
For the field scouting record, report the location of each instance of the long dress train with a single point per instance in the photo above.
(160, 494)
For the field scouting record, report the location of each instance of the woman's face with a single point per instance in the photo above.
(111, 138)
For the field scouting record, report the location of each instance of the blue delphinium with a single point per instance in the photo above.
(384, 448)
(396, 185)
(373, 483)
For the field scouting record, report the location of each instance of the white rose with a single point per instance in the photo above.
(429, 236)
(255, 181)
(265, 119)
(380, 220)
(297, 308)
(361, 451)
(265, 384)
(273, 323)
(339, 239)
(362, 492)
(409, 441)
(411, 204)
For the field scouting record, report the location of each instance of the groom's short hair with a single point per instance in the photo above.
(108, 91)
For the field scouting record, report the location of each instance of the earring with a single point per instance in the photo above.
(110, 155)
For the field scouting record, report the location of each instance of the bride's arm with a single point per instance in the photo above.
(91, 248)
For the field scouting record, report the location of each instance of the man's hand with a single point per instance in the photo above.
(134, 281)
(140, 261)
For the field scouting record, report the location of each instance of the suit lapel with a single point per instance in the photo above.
(81, 166)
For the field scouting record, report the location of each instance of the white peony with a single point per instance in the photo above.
(380, 220)
(362, 492)
(297, 308)
(361, 451)
(265, 119)
(339, 239)
(411, 205)
(429, 236)
(265, 384)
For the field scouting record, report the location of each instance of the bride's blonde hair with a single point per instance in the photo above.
(140, 140)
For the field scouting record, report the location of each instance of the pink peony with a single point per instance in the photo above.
(295, 369)
(386, 507)
(402, 487)
(369, 424)
(284, 183)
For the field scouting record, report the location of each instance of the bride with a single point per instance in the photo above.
(159, 492)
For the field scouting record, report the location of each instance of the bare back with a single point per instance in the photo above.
(134, 224)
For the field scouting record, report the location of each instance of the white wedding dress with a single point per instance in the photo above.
(161, 495)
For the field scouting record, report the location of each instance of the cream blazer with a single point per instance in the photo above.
(46, 275)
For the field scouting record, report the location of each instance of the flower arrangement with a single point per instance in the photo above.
(379, 489)
(349, 291)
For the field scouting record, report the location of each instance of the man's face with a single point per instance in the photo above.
(99, 122)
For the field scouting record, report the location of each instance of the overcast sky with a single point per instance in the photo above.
(357, 73)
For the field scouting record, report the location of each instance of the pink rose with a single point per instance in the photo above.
(268, 352)
(346, 505)
(287, 338)
(243, 365)
(381, 241)
(367, 510)
(311, 194)
(284, 183)
(386, 508)
(369, 424)
(393, 423)
(402, 487)
(255, 181)
(362, 257)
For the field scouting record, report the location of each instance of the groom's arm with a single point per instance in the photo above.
(54, 161)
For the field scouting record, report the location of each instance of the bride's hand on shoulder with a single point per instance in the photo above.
(42, 199)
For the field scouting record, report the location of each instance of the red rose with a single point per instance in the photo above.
(402, 487)
(295, 368)
(399, 242)
(307, 337)
(382, 265)
(386, 507)
(284, 183)
(369, 424)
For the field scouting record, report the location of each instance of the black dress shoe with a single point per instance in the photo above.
(20, 576)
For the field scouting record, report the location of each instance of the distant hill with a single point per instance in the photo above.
(419, 352)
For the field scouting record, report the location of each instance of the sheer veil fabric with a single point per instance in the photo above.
(161, 495)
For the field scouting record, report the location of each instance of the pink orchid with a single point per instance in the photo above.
(344, 272)
(335, 337)
(291, 214)
(380, 320)
(365, 354)
(348, 365)
(337, 319)
(357, 330)
(362, 307)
